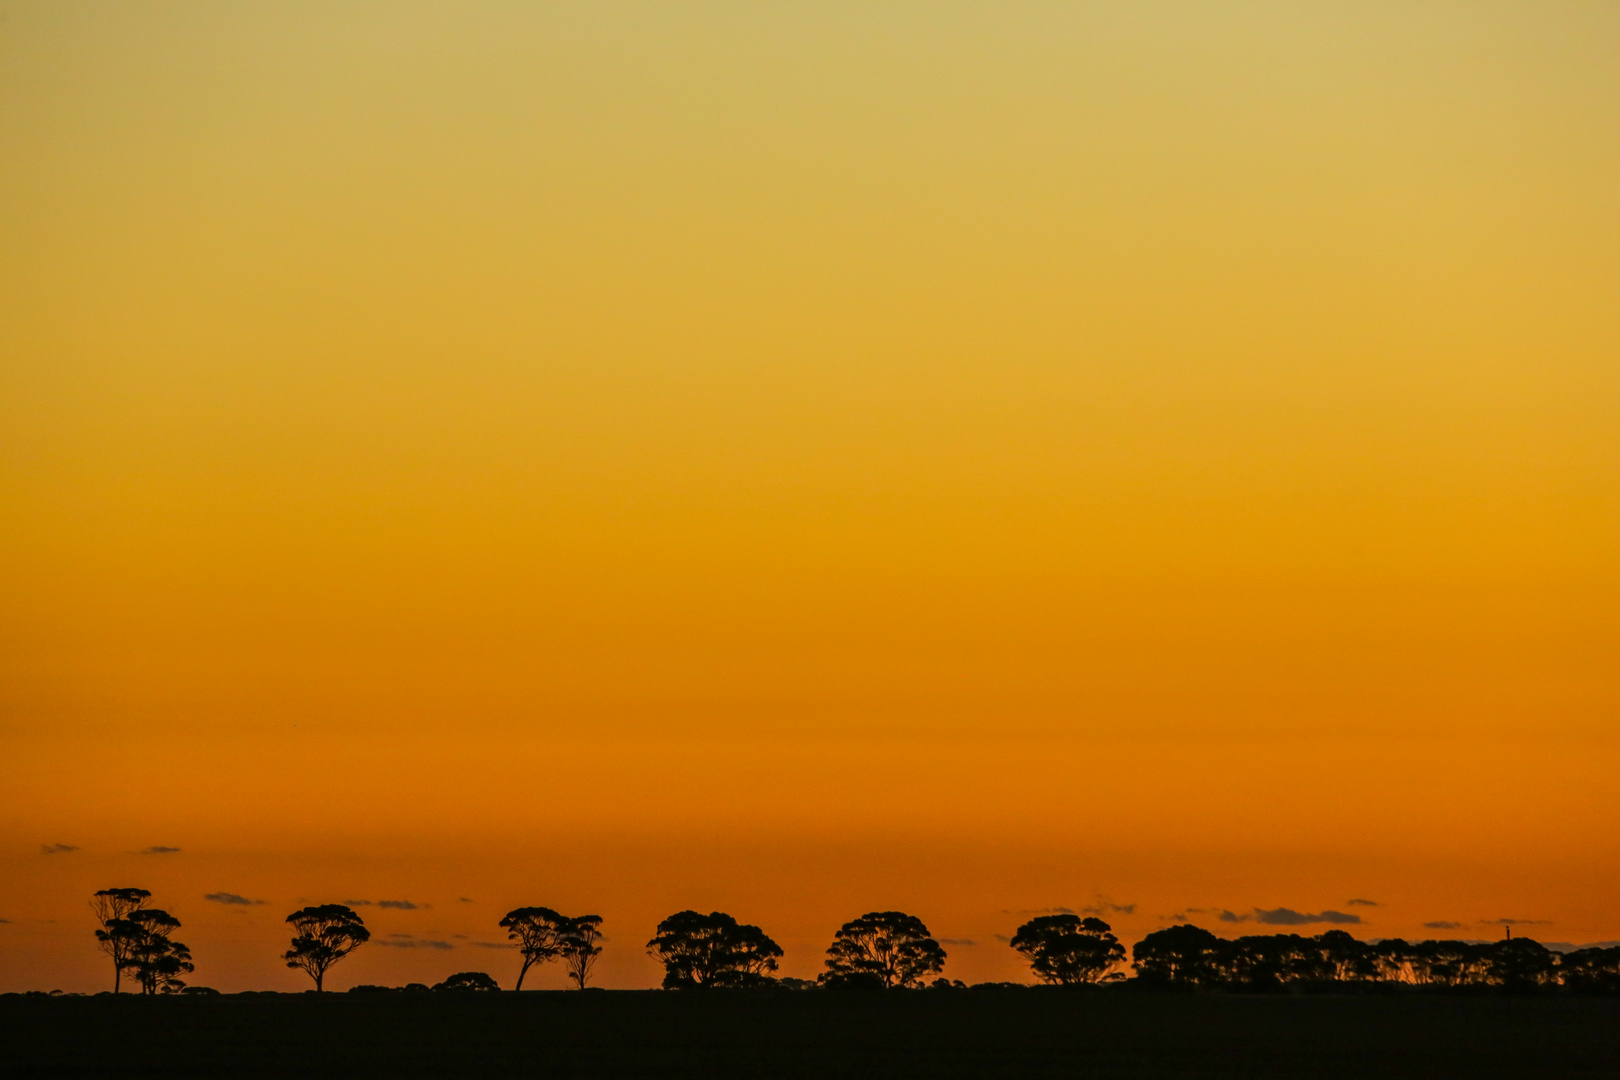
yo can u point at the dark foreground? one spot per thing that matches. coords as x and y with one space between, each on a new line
788 1034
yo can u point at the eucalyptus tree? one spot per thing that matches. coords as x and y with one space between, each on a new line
883 948
538 932
115 906
579 947
714 950
326 933
153 956
1068 950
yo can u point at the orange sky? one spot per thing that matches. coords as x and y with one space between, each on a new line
805 460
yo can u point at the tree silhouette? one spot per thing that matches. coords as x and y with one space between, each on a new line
465 981
1068 950
579 947
325 934
887 948
1593 970
1182 956
110 906
702 951
538 933
151 955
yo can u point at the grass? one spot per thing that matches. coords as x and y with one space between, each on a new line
817 1034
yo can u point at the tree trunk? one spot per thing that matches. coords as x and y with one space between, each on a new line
118 974
522 971
320 977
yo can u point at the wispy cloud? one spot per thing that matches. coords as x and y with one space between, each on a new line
230 898
400 905
1108 907
1289 917
358 903
466 900
159 849
956 941
406 941
1514 922
1442 924
56 849
492 944
1361 903
1040 911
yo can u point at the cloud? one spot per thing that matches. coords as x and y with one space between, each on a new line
406 941
492 944
1041 911
1361 903
358 903
466 899
956 941
1004 939
159 849
1289 917
1513 922
56 849
1442 924
401 905
230 898
1108 907
4 920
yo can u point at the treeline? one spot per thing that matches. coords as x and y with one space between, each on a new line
894 950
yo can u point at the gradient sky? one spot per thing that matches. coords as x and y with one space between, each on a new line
801 459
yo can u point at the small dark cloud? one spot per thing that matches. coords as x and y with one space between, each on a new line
230 898
4 920
159 849
1108 907
1442 924
956 941
1513 922
491 945
466 899
408 942
459 937
56 849
1289 917
1004 939
358 903
1361 903
400 905
1040 911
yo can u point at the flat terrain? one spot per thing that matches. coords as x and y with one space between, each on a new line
975 1033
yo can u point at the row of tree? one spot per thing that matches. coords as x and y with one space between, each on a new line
891 949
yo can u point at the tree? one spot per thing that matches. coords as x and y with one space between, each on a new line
1068 950
1594 970
888 948
580 950
703 951
326 934
110 906
465 981
1182 955
538 933
152 956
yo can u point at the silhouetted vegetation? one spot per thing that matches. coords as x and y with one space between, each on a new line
538 932
1068 950
704 951
114 906
579 947
326 934
1187 957
882 949
151 955
464 981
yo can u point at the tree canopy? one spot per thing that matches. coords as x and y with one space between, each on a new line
538 933
714 950
883 948
1068 950
113 906
326 933
579 947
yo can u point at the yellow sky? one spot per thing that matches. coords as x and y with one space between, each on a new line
804 459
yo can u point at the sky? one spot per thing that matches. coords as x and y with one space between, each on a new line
975 459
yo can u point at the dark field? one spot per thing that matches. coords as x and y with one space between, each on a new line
789 1034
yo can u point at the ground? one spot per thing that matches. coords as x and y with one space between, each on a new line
975 1033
